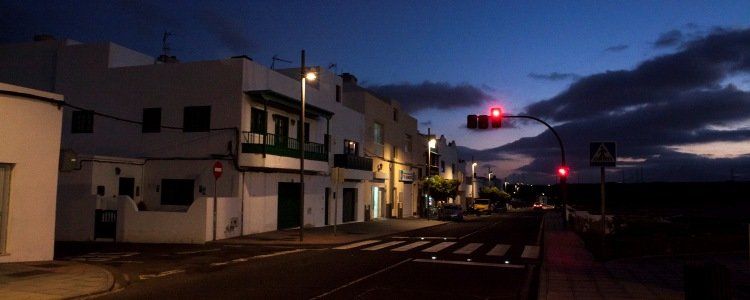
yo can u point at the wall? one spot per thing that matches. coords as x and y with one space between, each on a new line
194 226
30 130
261 200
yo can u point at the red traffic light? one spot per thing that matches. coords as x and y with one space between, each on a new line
496 112
563 171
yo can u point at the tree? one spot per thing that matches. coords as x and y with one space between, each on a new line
494 194
441 189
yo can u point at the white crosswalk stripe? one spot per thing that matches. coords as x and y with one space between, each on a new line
468 249
383 245
355 245
410 246
499 250
438 247
530 252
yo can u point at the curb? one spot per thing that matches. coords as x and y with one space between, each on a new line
109 289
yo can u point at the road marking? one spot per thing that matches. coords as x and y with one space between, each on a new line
467 263
424 237
468 249
198 251
438 247
410 246
244 259
161 274
355 245
360 279
383 245
499 250
477 231
530 252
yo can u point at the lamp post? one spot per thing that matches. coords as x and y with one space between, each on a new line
301 142
430 144
473 180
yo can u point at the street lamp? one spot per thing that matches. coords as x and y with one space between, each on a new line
431 143
473 180
305 76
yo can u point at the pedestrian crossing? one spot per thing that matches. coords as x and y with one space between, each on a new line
433 247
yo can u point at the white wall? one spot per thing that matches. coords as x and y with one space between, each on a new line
261 200
30 131
194 226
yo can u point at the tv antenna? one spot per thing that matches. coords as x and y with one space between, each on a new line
275 58
164 46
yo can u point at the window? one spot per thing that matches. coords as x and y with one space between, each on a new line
453 168
307 132
196 119
177 191
377 132
393 152
4 199
408 146
351 147
83 121
338 93
151 119
395 115
442 166
257 121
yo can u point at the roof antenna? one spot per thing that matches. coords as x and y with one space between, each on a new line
164 57
275 58
334 67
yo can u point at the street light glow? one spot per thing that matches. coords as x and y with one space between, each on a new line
432 143
310 76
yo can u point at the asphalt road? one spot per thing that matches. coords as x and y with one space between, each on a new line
489 257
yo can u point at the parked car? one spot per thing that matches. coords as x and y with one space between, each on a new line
450 211
499 207
482 206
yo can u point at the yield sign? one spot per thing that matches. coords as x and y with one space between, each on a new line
602 154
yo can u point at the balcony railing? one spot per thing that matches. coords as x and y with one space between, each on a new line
349 161
281 145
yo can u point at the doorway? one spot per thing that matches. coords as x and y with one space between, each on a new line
4 200
126 187
349 205
288 215
378 207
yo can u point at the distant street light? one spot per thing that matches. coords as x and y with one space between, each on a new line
431 143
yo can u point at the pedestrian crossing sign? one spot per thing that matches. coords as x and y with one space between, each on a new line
603 154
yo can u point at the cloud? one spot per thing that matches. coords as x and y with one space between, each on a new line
428 94
665 112
670 38
225 30
554 76
616 48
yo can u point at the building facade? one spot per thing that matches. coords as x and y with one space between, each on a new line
29 155
149 134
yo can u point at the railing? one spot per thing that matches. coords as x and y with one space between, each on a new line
349 161
281 145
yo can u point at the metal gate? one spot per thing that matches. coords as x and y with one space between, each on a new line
105 224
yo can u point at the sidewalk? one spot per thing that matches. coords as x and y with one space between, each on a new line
570 272
52 280
345 233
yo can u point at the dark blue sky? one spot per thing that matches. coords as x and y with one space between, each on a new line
510 53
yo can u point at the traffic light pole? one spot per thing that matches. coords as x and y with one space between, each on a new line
563 179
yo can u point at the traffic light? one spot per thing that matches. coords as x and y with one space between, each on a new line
496 115
471 121
563 171
483 122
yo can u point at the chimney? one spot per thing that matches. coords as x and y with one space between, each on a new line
43 37
349 78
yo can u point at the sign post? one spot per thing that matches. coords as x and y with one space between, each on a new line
603 154
218 169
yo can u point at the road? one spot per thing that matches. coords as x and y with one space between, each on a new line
488 257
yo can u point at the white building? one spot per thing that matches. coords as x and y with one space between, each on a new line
447 164
154 162
29 155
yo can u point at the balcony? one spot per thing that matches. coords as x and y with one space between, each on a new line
349 161
270 143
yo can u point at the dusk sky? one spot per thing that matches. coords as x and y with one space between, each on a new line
669 81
